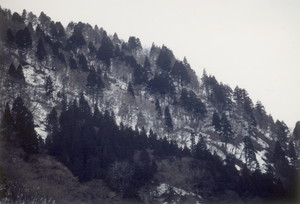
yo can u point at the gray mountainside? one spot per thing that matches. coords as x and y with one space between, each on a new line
146 89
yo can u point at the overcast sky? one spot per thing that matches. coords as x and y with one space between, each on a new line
254 44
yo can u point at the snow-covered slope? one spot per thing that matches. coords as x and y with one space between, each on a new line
244 119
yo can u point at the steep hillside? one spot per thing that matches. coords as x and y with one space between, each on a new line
78 84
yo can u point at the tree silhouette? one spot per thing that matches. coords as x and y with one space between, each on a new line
106 50
7 124
24 127
41 51
168 119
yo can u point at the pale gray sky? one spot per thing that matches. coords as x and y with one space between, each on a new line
254 44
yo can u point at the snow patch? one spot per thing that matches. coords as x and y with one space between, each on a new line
164 188
261 159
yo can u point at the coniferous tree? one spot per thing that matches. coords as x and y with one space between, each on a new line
180 72
95 81
140 74
41 51
49 87
12 71
147 64
17 18
116 39
39 32
200 150
279 154
7 124
82 62
20 73
134 43
130 89
162 84
57 30
168 119
76 40
296 132
226 131
23 38
165 59
249 151
193 144
92 48
281 131
24 127
84 108
106 50
291 151
16 73
52 128
10 38
158 108
73 63
216 121
190 102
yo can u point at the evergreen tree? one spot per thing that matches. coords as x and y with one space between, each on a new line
19 73
73 63
226 131
245 103
216 121
165 59
191 103
162 84
16 73
84 107
116 39
23 38
158 108
94 80
49 87
24 127
134 43
52 128
296 132
279 154
7 124
106 50
12 71
130 89
147 64
41 51
281 131
200 151
168 119
250 156
10 38
193 144
57 30
140 74
92 48
291 151
76 40
180 72
17 18
82 62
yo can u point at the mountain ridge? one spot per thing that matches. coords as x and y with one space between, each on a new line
142 90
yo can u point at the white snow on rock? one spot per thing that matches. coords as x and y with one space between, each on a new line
164 189
261 159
